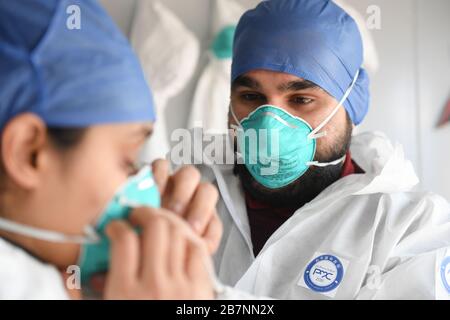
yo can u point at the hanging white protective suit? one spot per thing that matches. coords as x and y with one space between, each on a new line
210 106
367 236
169 54
24 277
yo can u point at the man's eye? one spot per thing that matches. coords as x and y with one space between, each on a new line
251 96
302 100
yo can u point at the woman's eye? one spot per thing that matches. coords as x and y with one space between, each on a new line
130 168
302 100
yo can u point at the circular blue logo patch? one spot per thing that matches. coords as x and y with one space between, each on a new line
445 273
324 273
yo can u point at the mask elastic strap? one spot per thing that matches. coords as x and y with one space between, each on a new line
314 134
326 164
237 125
90 235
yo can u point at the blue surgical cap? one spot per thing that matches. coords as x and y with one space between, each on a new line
312 39
68 77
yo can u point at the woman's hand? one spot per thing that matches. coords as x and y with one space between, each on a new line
195 201
166 260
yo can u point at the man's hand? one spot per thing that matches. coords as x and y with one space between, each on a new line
195 201
165 261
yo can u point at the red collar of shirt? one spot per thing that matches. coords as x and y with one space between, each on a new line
350 166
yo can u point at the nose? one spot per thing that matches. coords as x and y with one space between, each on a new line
276 101
281 103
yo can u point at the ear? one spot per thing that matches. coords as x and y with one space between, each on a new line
23 144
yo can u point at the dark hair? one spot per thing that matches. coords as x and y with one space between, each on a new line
65 138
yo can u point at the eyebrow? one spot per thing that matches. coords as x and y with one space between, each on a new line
296 85
245 81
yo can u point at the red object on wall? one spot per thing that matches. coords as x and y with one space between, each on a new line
445 117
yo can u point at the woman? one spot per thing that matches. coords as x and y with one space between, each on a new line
74 111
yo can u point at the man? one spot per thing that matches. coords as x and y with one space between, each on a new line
324 215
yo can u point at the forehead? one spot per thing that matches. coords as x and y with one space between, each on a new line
271 76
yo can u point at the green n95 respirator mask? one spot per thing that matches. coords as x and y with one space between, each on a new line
139 190
277 147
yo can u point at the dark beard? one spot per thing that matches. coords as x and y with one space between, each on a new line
308 186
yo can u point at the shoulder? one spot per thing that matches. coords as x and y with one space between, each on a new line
410 223
415 205
397 210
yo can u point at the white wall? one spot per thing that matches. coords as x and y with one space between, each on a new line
413 84
408 92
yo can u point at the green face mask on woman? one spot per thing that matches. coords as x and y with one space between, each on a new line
139 190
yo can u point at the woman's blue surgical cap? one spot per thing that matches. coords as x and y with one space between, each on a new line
69 77
312 39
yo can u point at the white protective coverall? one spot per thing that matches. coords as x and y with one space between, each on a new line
367 236
24 277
